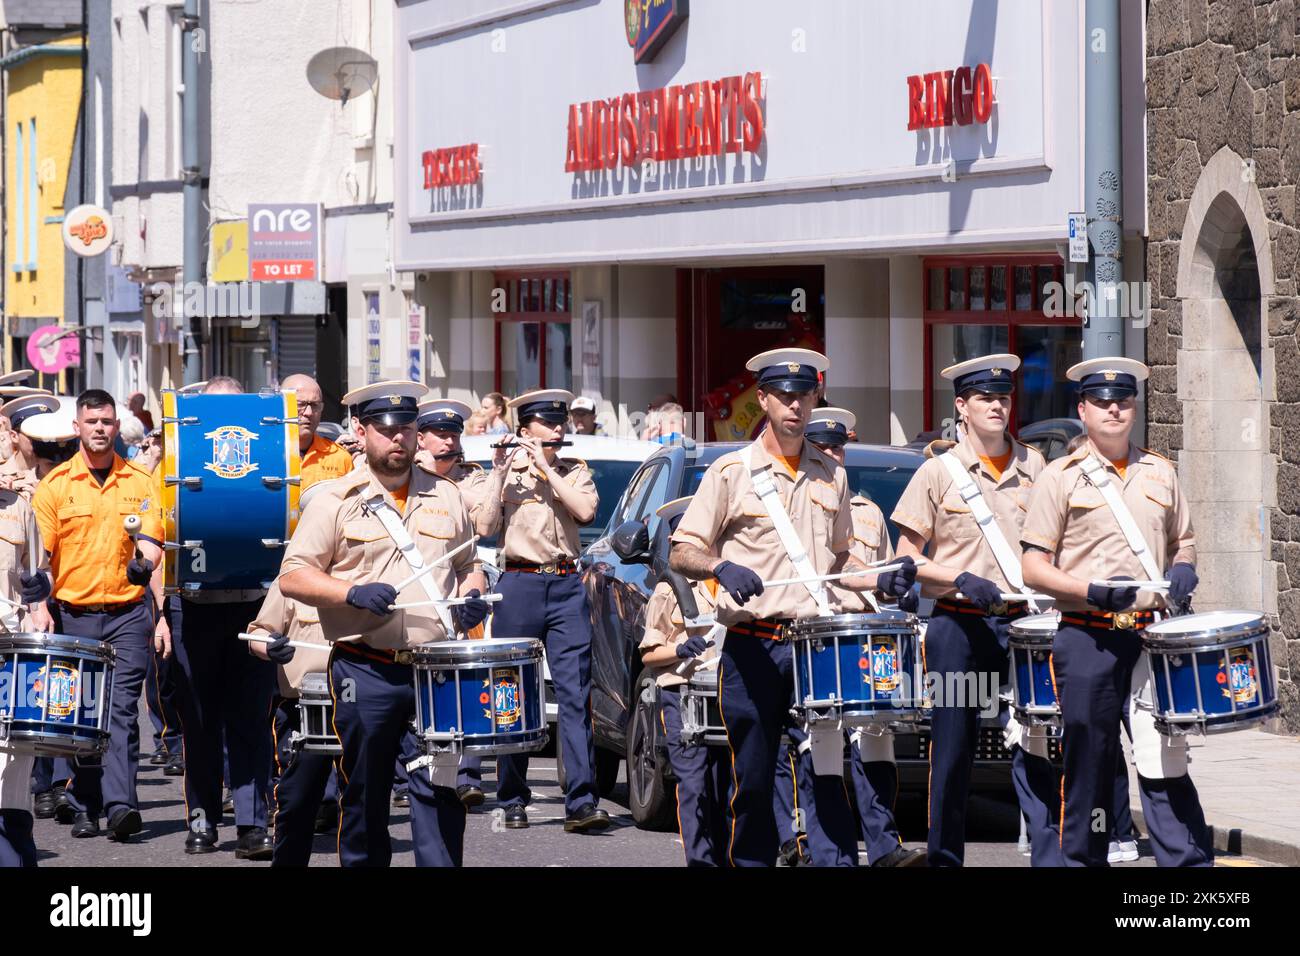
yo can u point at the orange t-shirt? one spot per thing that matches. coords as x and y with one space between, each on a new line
1122 467
791 463
997 464
399 495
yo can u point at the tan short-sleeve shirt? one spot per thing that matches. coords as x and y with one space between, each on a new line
298 622
932 506
538 526
870 543
664 625
1069 519
727 517
20 546
340 535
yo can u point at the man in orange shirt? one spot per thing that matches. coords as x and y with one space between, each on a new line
101 592
321 458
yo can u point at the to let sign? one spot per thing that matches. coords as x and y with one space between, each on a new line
284 242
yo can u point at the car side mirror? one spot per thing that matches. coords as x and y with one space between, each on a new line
631 542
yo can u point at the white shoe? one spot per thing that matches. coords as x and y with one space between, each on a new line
1125 851
1023 847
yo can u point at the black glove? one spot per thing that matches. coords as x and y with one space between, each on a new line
738 581
693 647
897 583
138 571
278 649
910 602
36 587
981 592
470 614
374 598
1182 582
1112 599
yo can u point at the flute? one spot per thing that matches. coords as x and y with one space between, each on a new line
545 444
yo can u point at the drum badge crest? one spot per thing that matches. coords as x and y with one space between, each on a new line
507 698
884 665
231 451
1242 686
58 687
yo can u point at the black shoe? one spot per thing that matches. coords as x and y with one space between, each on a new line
471 795
790 854
159 757
175 766
901 856
586 817
228 804
85 826
64 811
43 805
327 818
256 844
201 840
517 818
124 822
401 798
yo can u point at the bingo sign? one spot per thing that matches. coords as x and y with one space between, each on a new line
284 242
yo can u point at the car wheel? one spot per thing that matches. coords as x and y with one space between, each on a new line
650 798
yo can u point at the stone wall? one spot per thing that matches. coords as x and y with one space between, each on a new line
1225 73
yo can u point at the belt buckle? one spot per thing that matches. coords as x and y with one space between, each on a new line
1123 621
547 569
998 610
403 657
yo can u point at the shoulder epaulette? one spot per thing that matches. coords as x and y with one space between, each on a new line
938 447
1157 454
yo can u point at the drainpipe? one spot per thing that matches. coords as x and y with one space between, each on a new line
1103 335
193 266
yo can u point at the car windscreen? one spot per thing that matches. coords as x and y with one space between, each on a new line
884 486
611 478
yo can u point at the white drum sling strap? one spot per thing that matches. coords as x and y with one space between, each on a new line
765 488
392 522
1095 472
1008 561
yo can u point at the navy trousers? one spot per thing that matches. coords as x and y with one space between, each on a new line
374 703
104 784
50 772
701 787
554 609
159 690
1094 670
305 782
968 653
16 845
875 785
222 692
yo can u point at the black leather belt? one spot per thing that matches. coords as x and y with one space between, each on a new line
113 609
379 655
1007 610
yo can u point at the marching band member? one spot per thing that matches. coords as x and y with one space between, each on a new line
100 592
875 771
441 422
985 472
344 558
1077 532
536 500
321 458
222 693
700 771
776 509
18 471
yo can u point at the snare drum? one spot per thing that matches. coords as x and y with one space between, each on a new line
1033 688
55 693
230 496
1212 672
701 715
315 732
858 668
482 697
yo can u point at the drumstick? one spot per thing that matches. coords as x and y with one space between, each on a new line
266 639
1140 585
131 523
446 602
1015 596
877 568
433 564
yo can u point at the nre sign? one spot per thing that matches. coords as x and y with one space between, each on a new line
453 166
938 99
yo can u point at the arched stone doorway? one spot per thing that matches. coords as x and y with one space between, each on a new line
1225 276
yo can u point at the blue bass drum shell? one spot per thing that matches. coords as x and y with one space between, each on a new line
480 697
234 499
55 692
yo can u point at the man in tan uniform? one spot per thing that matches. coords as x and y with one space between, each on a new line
729 533
18 471
966 640
344 559
1073 540
536 501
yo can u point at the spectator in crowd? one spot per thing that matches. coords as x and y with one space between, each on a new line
135 404
151 451
582 413
671 421
651 431
476 424
132 434
494 407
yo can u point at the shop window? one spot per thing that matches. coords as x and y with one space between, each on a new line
971 311
533 336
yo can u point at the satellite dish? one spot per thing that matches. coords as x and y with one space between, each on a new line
342 72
